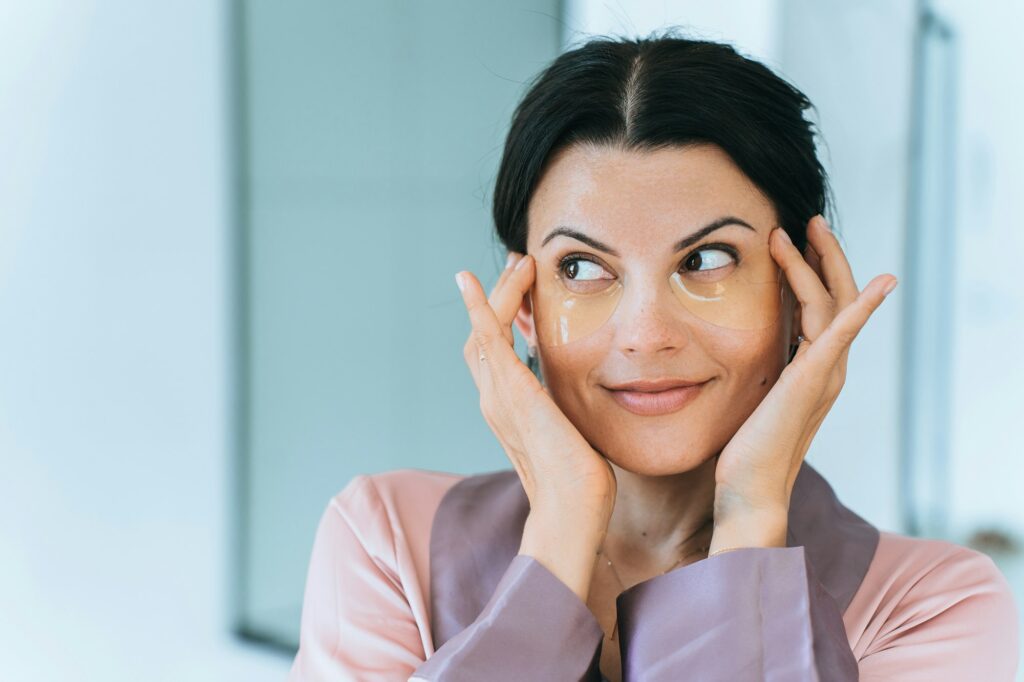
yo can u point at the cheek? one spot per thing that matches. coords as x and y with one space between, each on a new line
565 369
569 374
752 359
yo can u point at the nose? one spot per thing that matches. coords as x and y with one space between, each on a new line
649 320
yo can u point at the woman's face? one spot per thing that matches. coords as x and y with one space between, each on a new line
640 204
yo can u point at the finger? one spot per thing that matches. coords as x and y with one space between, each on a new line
472 292
481 315
510 262
493 352
838 275
814 260
835 341
817 307
507 302
496 292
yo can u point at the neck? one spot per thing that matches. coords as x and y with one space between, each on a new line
658 518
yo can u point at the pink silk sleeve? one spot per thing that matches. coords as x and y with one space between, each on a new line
356 621
956 620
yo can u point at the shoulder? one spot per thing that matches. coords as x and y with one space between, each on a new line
387 487
392 492
920 590
402 493
402 501
910 565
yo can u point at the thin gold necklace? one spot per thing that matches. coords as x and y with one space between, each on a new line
622 586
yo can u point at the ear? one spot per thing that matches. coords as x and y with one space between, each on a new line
524 319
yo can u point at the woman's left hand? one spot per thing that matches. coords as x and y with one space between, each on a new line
756 470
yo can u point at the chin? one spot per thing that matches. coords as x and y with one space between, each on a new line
655 461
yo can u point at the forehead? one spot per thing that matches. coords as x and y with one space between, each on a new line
646 196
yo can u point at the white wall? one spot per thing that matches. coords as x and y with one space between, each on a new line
114 386
752 26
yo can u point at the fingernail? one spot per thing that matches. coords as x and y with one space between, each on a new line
521 261
511 258
458 280
892 285
785 235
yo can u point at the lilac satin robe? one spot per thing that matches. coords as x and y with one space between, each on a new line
415 576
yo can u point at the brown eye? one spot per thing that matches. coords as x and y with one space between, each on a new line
572 268
718 258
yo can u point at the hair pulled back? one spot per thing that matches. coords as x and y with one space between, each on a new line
650 93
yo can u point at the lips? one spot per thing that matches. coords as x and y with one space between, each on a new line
652 385
652 403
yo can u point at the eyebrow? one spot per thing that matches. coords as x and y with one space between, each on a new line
680 245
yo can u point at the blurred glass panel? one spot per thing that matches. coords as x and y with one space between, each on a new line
371 138
928 311
966 303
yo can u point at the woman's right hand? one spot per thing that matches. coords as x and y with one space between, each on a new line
561 473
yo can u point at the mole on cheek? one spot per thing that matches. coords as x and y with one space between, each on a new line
764 381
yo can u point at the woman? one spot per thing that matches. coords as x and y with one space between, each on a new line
689 314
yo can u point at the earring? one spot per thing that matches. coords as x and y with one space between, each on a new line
531 351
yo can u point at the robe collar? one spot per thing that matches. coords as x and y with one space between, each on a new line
478 527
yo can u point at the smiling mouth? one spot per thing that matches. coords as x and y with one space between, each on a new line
654 403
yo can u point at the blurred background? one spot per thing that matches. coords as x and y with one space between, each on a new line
228 234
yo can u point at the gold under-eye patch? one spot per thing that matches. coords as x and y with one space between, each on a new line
742 292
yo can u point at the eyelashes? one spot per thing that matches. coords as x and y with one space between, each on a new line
711 247
580 256
572 258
